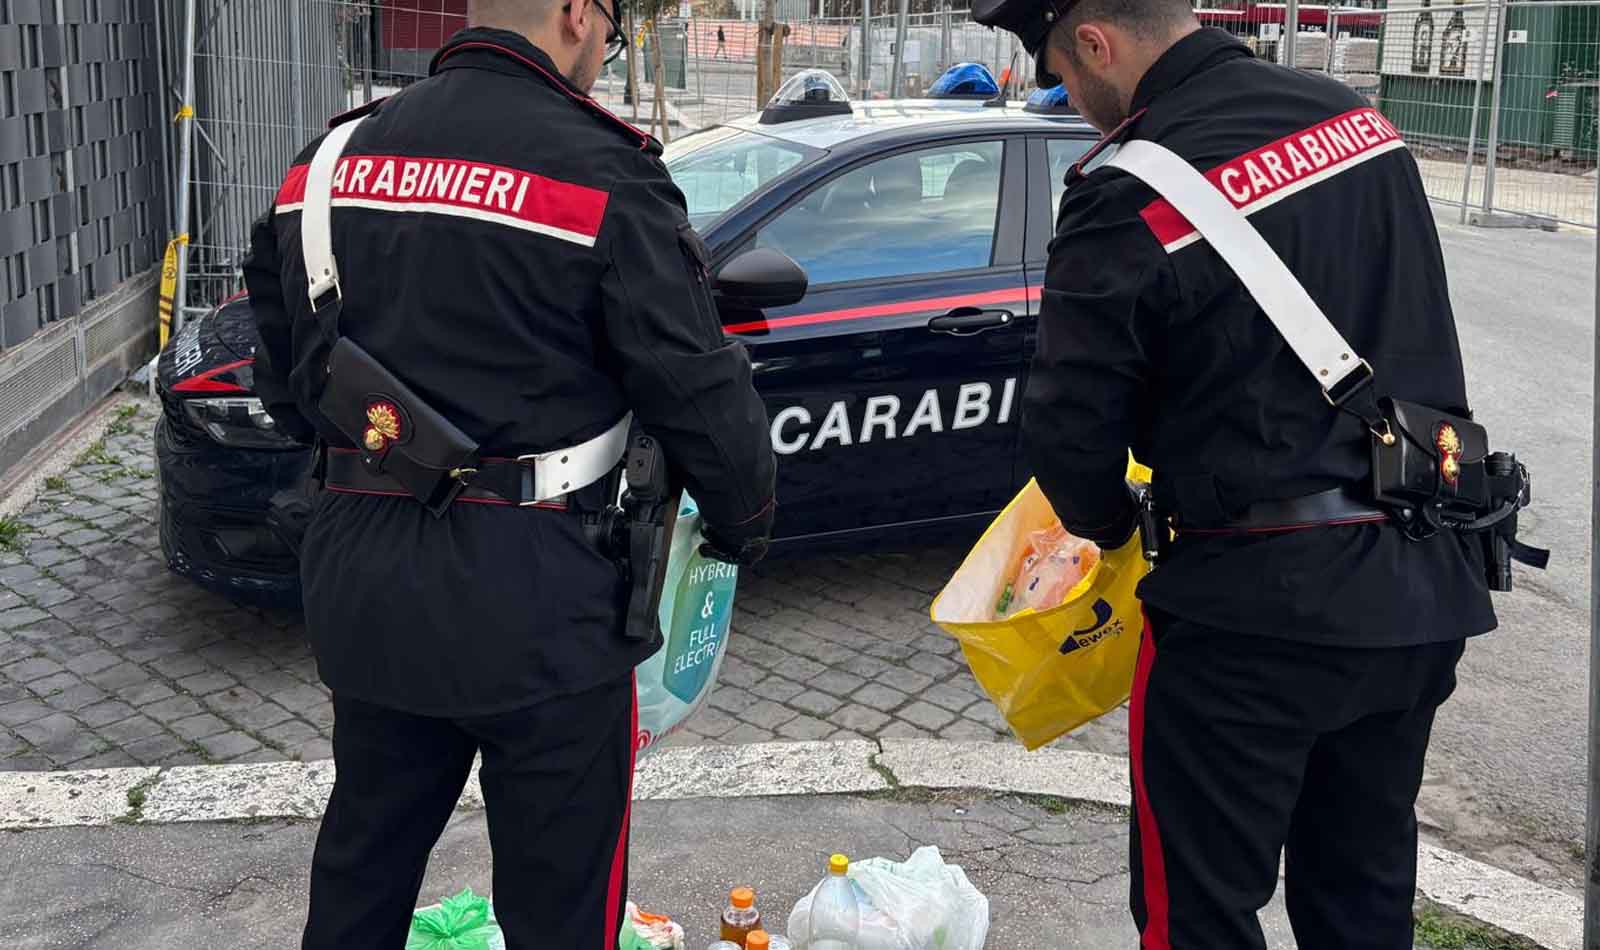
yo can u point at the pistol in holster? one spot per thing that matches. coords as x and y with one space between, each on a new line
637 531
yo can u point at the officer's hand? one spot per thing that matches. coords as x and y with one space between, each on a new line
743 545
744 553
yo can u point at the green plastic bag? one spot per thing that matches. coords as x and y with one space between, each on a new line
642 931
462 922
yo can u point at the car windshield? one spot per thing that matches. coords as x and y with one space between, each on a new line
720 167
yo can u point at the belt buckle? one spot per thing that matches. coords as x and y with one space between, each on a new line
530 477
1346 389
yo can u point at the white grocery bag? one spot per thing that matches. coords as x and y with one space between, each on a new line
921 903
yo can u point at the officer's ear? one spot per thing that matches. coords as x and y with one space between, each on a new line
1095 45
573 17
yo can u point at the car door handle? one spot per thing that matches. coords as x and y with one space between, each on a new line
969 321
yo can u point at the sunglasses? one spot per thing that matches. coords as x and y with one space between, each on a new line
615 41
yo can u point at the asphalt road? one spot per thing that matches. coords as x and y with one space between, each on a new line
1508 757
1054 876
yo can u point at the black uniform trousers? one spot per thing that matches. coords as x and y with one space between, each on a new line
557 783
1245 747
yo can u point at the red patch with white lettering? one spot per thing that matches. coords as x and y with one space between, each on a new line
476 190
1267 175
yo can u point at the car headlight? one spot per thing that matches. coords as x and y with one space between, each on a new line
237 422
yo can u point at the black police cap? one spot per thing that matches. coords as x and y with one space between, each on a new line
1031 20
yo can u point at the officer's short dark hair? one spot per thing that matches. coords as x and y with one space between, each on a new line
1146 19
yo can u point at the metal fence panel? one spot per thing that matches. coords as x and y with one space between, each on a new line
1496 98
268 76
269 72
1544 160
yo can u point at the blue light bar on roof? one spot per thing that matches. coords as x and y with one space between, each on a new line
965 81
1051 101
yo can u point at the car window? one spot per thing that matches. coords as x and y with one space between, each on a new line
720 167
911 213
1063 153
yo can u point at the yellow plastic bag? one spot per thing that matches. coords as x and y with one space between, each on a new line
1048 671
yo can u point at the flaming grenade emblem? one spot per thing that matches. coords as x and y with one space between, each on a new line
1448 441
383 426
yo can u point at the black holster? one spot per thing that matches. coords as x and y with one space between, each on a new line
636 533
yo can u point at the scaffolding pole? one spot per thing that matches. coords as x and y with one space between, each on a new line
1591 852
1291 30
1477 100
185 122
897 74
1498 41
866 49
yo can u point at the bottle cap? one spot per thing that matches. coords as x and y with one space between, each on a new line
758 940
743 898
838 864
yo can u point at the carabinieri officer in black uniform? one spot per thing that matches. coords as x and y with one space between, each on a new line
518 260
1298 642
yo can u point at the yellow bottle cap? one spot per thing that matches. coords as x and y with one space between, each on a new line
758 940
838 864
743 898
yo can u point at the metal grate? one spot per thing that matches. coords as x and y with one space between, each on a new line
108 335
44 378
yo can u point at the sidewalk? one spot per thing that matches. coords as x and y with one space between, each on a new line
1054 873
200 857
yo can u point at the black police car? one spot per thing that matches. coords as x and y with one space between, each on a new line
893 386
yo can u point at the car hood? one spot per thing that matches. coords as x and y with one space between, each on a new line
213 355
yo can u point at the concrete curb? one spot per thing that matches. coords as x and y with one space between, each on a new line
36 800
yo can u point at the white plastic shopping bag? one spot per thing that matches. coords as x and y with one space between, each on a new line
921 903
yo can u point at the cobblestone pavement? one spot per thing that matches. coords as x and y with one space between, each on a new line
106 659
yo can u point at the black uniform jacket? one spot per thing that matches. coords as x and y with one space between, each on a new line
1148 341
520 258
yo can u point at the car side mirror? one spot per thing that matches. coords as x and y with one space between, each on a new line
760 278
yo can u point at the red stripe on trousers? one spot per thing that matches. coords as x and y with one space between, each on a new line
1156 935
614 889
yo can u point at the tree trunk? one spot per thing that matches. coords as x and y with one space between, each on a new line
764 87
779 32
633 72
762 74
660 110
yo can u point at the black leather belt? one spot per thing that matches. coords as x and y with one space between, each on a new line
347 475
1337 506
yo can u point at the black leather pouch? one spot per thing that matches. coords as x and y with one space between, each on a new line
398 433
1434 459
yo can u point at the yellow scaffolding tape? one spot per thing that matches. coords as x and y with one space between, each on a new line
169 287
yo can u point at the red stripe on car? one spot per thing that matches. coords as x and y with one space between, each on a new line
1009 295
207 381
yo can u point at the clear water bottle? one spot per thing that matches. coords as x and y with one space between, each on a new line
836 912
